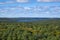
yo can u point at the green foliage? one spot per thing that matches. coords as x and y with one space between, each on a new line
40 30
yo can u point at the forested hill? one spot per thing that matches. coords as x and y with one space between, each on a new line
26 19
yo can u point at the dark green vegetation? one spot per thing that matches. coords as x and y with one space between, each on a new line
38 30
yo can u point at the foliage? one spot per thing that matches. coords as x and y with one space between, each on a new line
40 30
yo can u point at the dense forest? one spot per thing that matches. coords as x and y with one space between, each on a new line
36 30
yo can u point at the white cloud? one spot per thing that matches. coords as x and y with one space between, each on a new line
2 3
47 11
3 11
27 8
22 1
48 0
12 8
43 0
9 2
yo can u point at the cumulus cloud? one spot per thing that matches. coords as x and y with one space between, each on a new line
43 0
21 1
27 8
7 2
2 3
3 11
48 0
35 11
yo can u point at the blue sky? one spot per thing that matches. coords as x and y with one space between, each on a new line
30 8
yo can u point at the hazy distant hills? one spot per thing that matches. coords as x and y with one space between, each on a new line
26 19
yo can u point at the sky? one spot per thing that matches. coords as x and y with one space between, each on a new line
30 8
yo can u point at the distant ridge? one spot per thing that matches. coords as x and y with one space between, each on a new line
25 19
